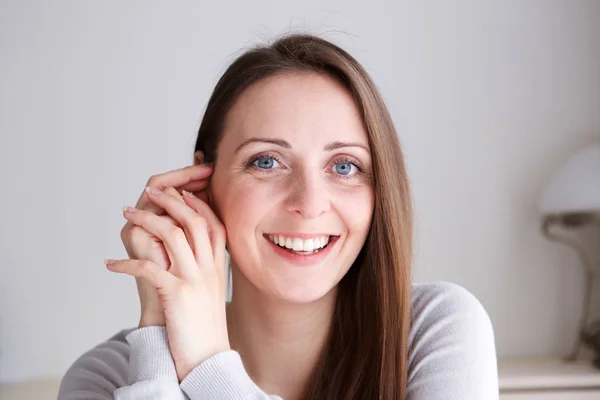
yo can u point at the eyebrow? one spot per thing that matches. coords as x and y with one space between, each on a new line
286 145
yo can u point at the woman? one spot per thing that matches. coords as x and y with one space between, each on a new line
299 174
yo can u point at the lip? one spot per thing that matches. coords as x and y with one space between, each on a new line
299 259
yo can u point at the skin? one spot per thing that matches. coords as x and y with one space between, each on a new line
280 313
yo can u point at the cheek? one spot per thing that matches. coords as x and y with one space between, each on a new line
355 207
245 202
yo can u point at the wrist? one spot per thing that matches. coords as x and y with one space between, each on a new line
151 320
184 367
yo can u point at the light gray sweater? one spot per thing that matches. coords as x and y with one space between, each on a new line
452 356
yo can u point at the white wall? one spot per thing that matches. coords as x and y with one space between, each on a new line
488 97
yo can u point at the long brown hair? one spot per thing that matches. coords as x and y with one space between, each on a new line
366 353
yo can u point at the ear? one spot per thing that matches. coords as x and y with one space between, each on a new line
198 157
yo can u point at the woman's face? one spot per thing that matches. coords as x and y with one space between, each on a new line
294 166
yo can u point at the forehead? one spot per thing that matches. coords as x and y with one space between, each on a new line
295 105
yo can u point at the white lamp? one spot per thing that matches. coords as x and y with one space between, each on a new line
576 187
572 200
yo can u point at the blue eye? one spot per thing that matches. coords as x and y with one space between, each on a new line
344 168
265 162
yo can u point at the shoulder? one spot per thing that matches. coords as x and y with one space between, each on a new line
435 301
100 370
444 312
451 343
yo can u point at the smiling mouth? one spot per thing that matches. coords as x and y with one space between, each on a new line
302 247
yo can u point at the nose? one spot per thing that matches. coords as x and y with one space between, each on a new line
308 195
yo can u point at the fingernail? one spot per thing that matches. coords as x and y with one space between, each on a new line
129 209
108 261
152 190
185 192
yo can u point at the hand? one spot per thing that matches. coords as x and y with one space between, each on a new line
192 290
142 245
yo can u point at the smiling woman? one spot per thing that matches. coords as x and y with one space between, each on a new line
308 192
284 151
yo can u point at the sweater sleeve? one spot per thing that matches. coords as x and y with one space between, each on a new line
137 364
153 375
452 354
134 364
222 376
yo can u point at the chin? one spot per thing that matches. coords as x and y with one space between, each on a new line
302 294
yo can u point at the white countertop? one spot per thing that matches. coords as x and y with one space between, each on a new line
41 389
547 373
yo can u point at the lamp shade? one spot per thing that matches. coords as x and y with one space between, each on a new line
576 186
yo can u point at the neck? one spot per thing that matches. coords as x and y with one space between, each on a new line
279 341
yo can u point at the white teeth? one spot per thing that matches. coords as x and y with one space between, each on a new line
297 244
316 243
308 245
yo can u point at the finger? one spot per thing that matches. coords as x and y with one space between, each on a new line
143 243
202 195
195 226
172 191
176 178
195 186
175 193
217 234
139 236
173 237
156 276
179 191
